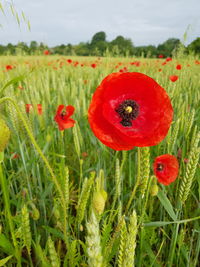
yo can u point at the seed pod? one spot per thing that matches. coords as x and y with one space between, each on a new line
4 135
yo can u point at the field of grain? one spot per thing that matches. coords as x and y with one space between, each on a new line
67 199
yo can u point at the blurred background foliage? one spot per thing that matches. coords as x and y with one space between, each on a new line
99 46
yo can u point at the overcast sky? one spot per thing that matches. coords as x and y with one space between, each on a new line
72 21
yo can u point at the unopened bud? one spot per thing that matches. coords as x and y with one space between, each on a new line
99 201
35 214
154 190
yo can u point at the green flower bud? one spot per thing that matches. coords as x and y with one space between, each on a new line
154 190
35 214
99 200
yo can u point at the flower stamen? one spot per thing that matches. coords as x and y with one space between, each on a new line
128 110
160 167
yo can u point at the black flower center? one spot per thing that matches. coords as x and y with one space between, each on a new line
128 110
62 114
160 167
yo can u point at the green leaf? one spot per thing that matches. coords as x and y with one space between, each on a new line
3 261
1 157
54 232
6 245
163 223
167 205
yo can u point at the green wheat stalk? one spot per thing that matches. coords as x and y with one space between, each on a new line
145 169
55 262
26 230
173 137
187 180
130 243
94 249
189 122
84 196
123 237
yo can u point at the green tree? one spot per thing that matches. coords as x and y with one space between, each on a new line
82 49
195 46
168 47
124 45
33 47
98 37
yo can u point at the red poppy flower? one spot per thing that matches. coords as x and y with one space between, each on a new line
178 67
130 109
15 156
168 59
173 78
161 56
63 115
30 106
39 108
9 67
46 52
166 169
93 65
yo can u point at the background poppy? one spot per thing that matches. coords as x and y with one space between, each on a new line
173 78
63 115
166 169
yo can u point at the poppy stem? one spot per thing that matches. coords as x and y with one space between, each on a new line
54 179
137 181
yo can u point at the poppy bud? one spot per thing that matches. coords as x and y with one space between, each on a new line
154 190
48 138
35 214
99 200
4 135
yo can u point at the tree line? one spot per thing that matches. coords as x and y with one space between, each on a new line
99 46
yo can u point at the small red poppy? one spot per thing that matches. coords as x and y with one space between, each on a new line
39 108
168 59
93 65
130 109
166 169
9 67
30 106
173 78
46 52
15 156
63 115
161 56
178 67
